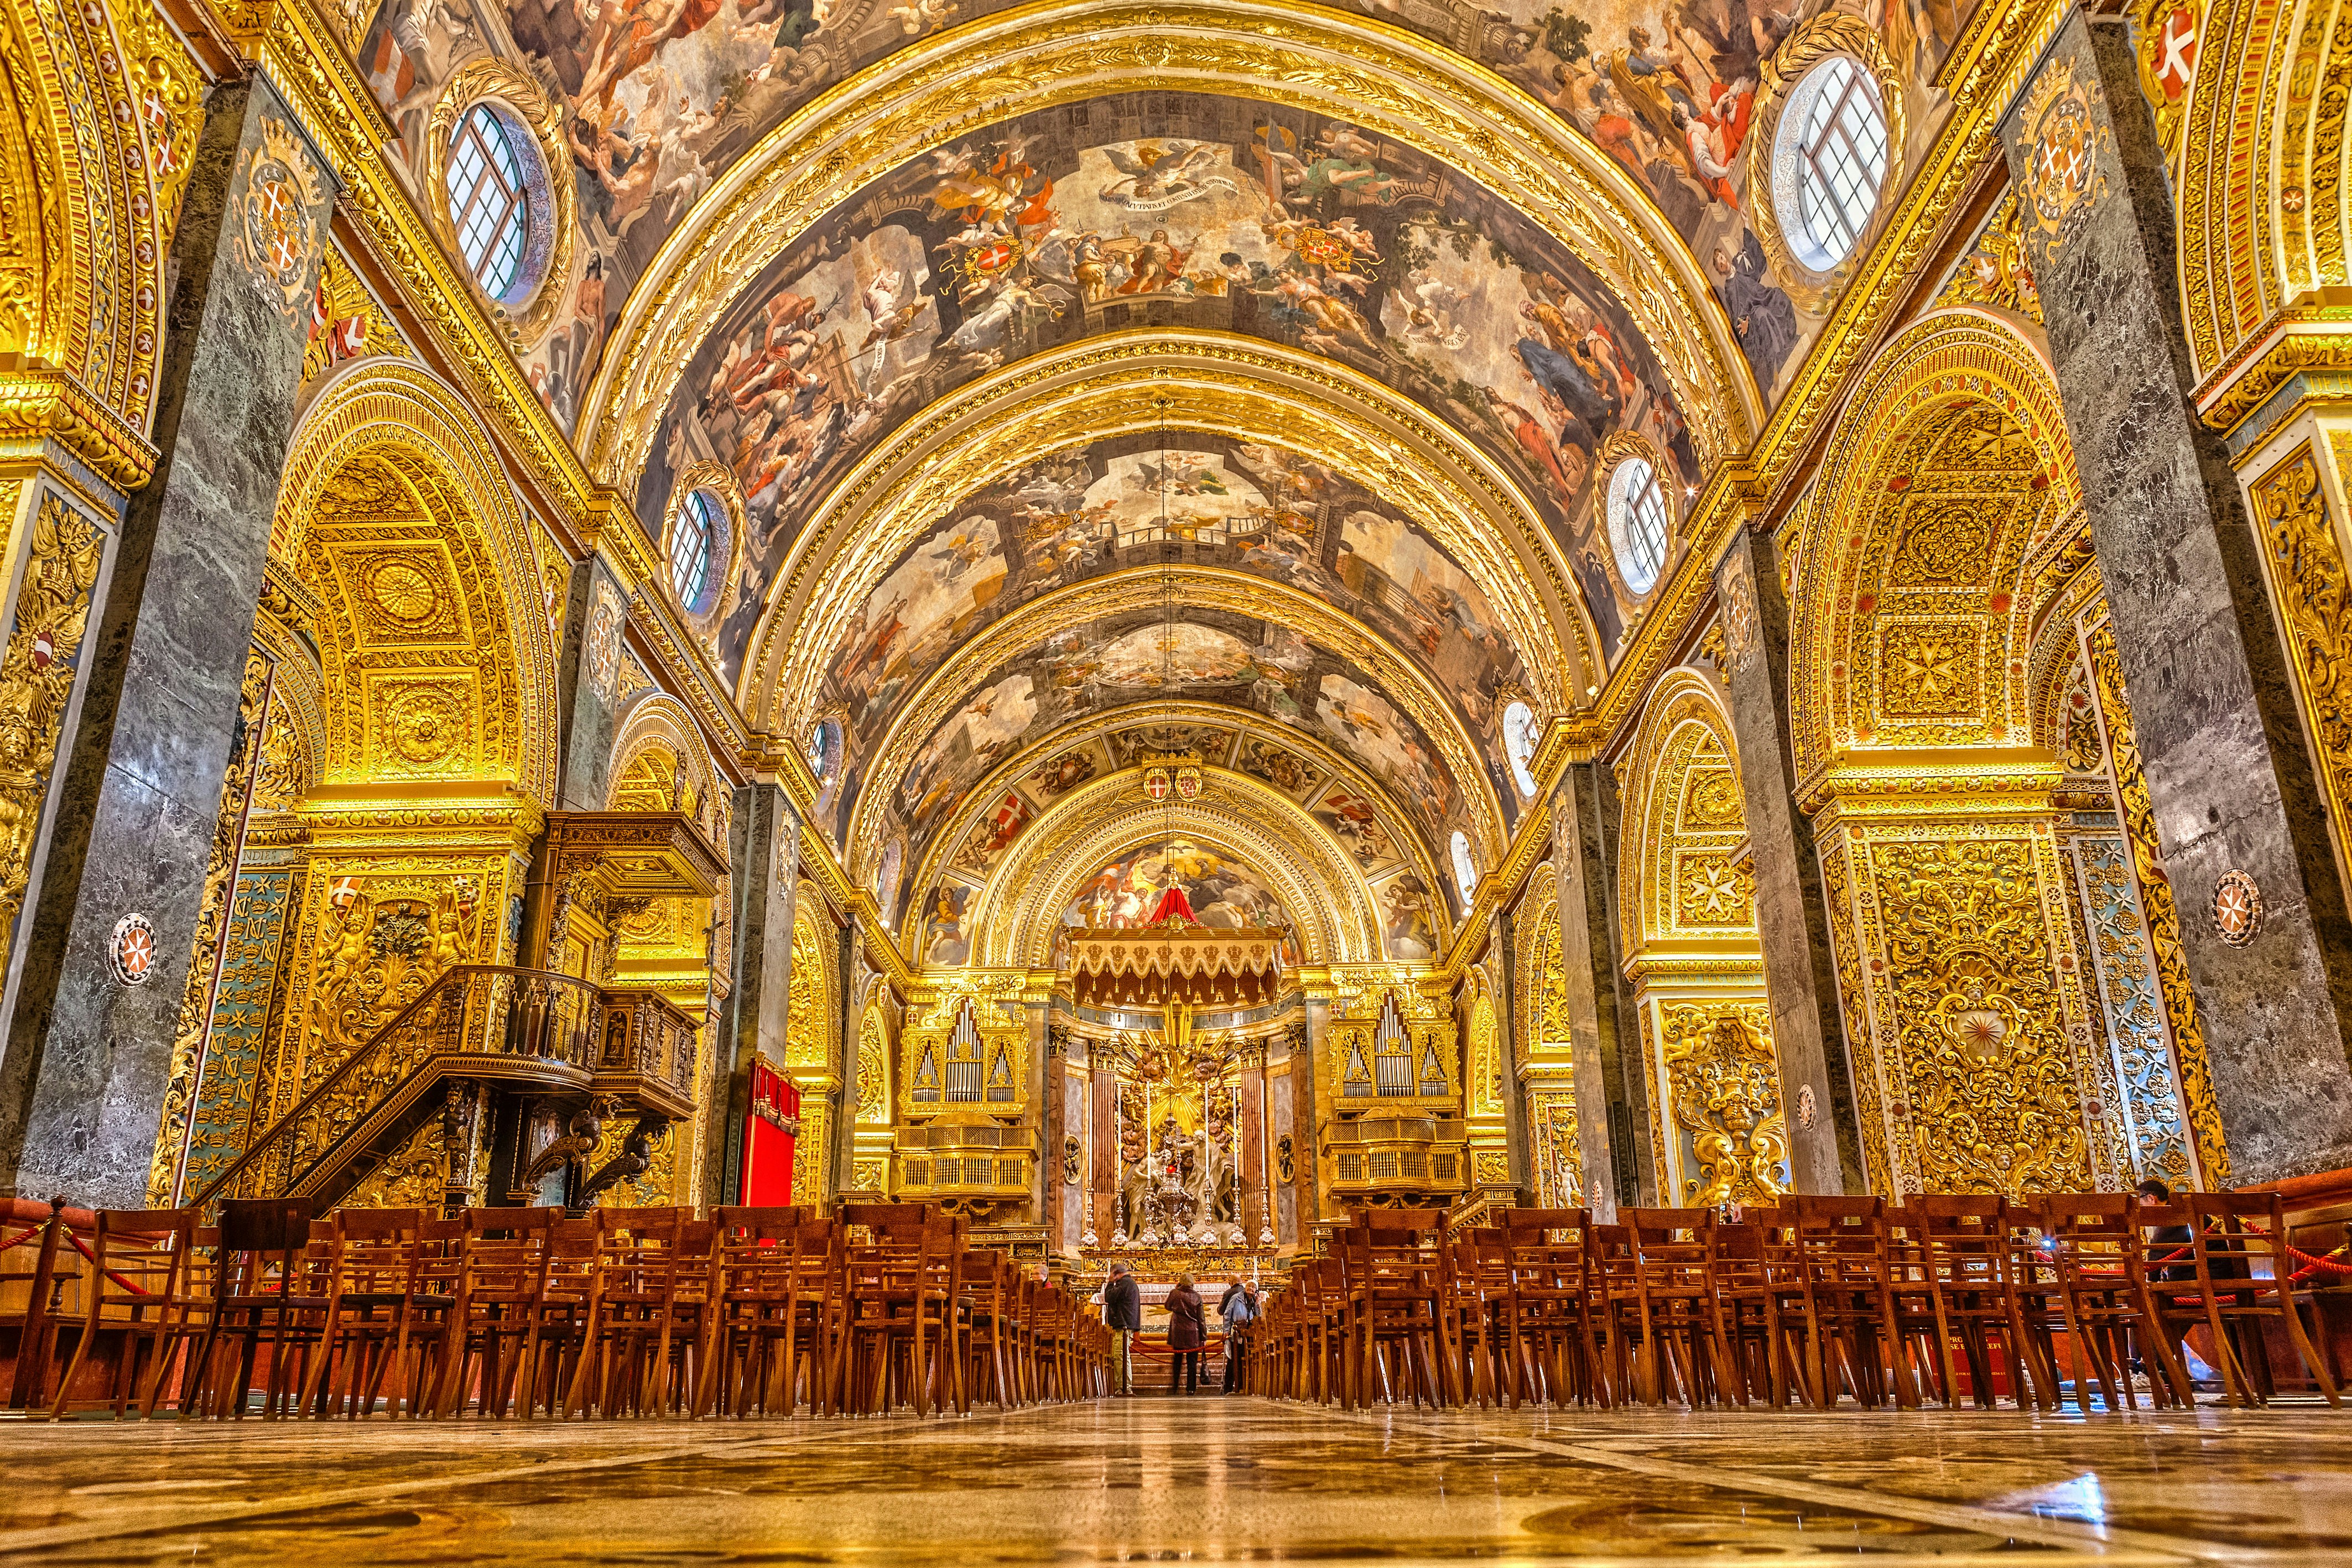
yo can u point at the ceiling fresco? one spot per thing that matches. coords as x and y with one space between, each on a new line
1202 500
1163 209
1357 816
661 97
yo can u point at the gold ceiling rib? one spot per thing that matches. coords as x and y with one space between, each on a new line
1417 853
1108 385
1316 881
947 687
1281 52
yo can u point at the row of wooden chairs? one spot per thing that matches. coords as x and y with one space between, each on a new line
525 1312
1950 1299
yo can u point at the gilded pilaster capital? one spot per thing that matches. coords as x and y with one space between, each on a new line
1977 784
40 402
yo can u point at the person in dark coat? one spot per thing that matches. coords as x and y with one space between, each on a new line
1238 1310
1188 1331
1123 1315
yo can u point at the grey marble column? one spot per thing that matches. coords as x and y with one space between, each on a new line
89 1056
1604 1039
587 685
1791 920
2229 777
1515 1143
764 858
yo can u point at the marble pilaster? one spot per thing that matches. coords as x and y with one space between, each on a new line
587 685
1791 920
2230 779
763 862
1610 1101
89 1056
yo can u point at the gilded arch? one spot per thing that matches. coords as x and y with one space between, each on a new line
100 112
428 542
1718 1129
1145 380
1147 589
1314 878
1915 628
965 78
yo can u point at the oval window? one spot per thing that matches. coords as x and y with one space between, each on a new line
691 539
498 206
1520 744
1637 523
1465 870
1829 161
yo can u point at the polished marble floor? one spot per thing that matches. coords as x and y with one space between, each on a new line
1201 1480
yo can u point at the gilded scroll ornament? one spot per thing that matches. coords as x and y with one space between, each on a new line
1987 1067
36 680
2311 588
1995 272
1727 1101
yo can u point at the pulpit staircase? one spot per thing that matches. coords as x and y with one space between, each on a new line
493 1026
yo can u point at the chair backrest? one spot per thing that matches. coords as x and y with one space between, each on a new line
2238 1234
139 1255
258 1235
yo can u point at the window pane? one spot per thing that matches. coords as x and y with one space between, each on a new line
489 206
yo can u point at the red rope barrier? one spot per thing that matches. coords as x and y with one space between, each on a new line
2316 1264
134 1290
22 1236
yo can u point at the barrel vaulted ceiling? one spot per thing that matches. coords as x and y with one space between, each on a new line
1011 335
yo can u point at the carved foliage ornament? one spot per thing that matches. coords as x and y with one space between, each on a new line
1726 1100
36 678
2313 591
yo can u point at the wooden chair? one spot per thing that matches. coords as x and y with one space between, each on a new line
641 1327
1745 1310
268 1292
2244 1281
1961 1290
1846 1275
1555 1347
137 1297
777 1304
499 1289
2088 1276
380 1326
1390 1280
901 1329
1475 1290
1672 1251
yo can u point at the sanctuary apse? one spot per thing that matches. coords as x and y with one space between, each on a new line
1699 601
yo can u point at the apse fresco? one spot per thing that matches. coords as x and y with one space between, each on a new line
1164 208
1223 893
1248 662
661 100
1252 507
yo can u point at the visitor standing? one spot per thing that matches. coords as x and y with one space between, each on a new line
1239 1311
1188 1331
1123 1315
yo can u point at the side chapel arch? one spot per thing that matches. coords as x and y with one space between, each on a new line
1688 912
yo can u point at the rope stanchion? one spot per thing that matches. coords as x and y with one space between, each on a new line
136 1290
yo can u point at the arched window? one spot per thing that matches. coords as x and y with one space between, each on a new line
690 539
819 750
1637 523
1520 744
492 166
1831 160
1465 870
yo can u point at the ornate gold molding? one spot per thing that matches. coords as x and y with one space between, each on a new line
1295 55
1142 381
1205 588
1419 855
49 404
1310 871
